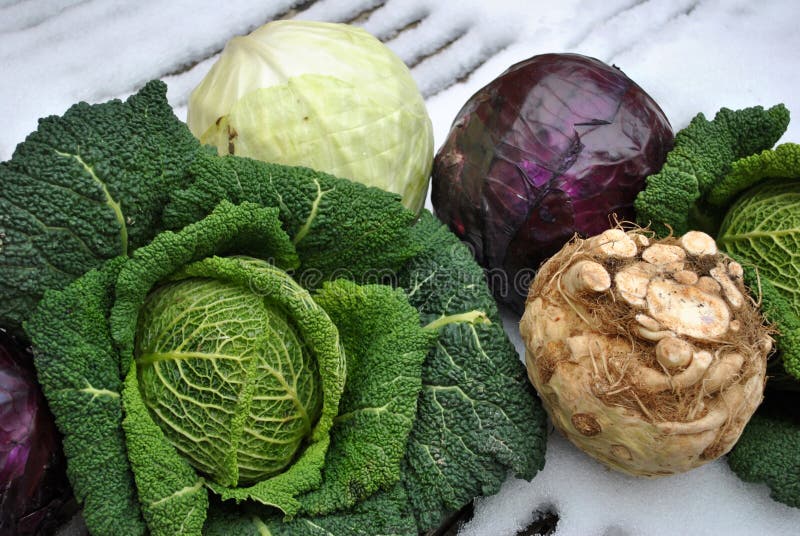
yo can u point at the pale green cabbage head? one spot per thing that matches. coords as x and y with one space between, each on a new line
322 95
762 228
227 378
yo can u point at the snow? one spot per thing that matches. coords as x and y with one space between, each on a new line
690 55
590 500
593 500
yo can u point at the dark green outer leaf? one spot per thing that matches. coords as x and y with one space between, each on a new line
385 347
478 416
331 221
769 449
84 188
78 369
674 199
781 162
383 514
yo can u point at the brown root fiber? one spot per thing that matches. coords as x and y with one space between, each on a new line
592 349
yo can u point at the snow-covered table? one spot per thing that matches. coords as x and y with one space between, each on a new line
690 55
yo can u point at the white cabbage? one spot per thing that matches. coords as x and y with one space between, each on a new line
322 95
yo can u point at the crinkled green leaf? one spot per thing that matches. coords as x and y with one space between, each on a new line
231 384
172 495
769 449
781 162
78 369
340 228
245 228
385 513
674 199
83 188
784 366
478 416
385 347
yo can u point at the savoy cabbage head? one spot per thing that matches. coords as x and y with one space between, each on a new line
287 352
229 376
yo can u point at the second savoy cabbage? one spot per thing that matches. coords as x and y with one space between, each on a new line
389 398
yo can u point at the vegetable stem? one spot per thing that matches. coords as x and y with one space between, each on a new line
470 317
115 205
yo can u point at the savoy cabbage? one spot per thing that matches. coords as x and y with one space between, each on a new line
254 304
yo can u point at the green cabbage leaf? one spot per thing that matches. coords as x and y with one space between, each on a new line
84 188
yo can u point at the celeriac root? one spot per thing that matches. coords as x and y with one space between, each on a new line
648 354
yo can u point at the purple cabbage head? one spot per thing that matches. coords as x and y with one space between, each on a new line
35 497
556 145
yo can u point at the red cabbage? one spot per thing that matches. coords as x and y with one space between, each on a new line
35 497
556 145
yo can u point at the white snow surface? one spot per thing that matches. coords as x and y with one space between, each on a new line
690 55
